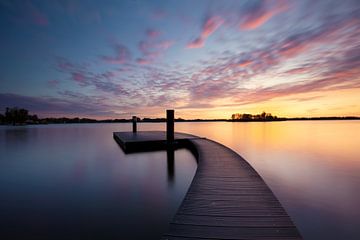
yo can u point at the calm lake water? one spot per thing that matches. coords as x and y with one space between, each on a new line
74 182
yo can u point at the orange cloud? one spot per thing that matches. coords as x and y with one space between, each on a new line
245 63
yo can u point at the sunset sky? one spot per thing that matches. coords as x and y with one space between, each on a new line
205 59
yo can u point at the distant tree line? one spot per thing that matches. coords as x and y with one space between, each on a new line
21 116
80 120
264 116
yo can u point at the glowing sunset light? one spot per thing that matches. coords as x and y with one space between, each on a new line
206 59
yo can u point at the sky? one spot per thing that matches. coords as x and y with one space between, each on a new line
205 59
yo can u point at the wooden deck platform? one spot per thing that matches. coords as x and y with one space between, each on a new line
227 198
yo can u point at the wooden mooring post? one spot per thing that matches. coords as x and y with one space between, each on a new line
134 127
170 126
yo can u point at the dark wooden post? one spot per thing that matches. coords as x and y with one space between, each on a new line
170 126
134 119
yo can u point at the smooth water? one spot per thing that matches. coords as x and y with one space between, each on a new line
74 182
313 167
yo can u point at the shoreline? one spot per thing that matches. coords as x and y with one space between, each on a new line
194 120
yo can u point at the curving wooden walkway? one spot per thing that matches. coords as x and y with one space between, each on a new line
227 198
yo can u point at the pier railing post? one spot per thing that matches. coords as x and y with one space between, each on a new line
134 127
170 126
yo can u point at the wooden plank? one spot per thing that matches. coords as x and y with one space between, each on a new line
220 232
206 203
227 198
247 221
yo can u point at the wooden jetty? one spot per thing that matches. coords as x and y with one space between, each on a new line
227 198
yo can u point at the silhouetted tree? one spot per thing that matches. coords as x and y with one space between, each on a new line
268 116
246 116
16 115
263 115
34 118
7 115
249 117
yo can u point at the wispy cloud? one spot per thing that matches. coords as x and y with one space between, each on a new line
142 61
152 33
84 76
80 78
122 55
304 99
210 25
259 12
324 84
152 47
229 74
262 50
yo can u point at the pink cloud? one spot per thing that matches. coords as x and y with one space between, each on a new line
224 77
151 33
197 43
122 55
299 70
64 64
260 15
78 77
293 48
146 47
333 82
152 48
209 27
298 44
108 74
142 61
341 74
103 81
253 22
245 63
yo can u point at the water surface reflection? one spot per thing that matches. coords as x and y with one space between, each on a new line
74 182
170 154
312 166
